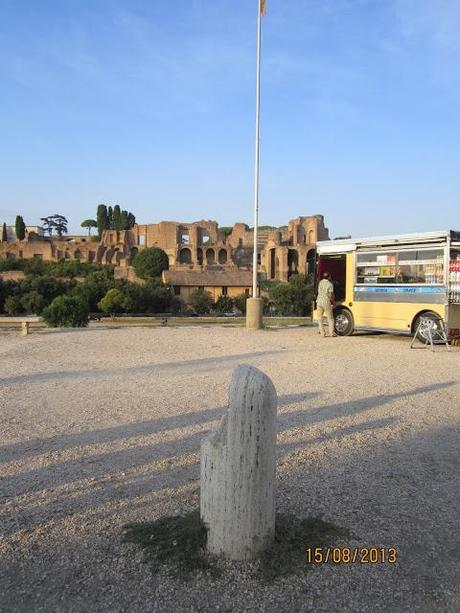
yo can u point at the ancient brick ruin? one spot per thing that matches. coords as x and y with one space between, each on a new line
199 247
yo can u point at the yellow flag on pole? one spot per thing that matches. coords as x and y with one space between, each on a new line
262 7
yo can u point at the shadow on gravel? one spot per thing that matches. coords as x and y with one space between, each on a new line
342 409
286 420
97 373
180 543
38 446
77 485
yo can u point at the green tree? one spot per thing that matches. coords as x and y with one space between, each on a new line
33 302
67 311
135 298
13 305
150 263
201 301
294 297
4 233
110 218
46 286
20 228
158 296
224 304
60 223
124 220
3 294
117 221
102 219
48 224
55 222
131 220
12 264
112 302
36 267
89 223
95 287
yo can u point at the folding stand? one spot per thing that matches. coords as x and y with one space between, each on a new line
433 334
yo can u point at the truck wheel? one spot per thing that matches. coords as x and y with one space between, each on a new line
343 322
435 324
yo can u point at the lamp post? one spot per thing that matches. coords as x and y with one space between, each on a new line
254 305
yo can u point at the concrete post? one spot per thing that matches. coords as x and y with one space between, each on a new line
254 313
238 461
24 328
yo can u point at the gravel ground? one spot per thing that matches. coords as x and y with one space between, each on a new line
102 427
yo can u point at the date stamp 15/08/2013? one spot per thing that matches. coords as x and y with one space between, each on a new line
351 555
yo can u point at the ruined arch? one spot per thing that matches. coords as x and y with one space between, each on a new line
210 256
273 263
293 262
222 256
185 256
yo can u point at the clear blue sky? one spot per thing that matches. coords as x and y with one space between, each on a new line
150 104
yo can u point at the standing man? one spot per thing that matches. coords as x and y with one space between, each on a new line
324 302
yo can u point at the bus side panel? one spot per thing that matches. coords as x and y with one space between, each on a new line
399 316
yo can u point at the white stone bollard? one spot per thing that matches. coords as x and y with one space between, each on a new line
24 328
238 463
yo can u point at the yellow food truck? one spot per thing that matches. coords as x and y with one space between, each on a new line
387 283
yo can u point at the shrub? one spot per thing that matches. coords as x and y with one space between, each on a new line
49 287
75 268
67 311
240 303
150 263
13 305
293 298
33 302
224 304
201 301
158 296
225 231
63 268
135 298
35 267
112 302
7 288
12 264
95 287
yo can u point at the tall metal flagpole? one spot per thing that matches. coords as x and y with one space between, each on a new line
257 150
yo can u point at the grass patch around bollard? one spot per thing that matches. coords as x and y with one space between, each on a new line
179 542
293 535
